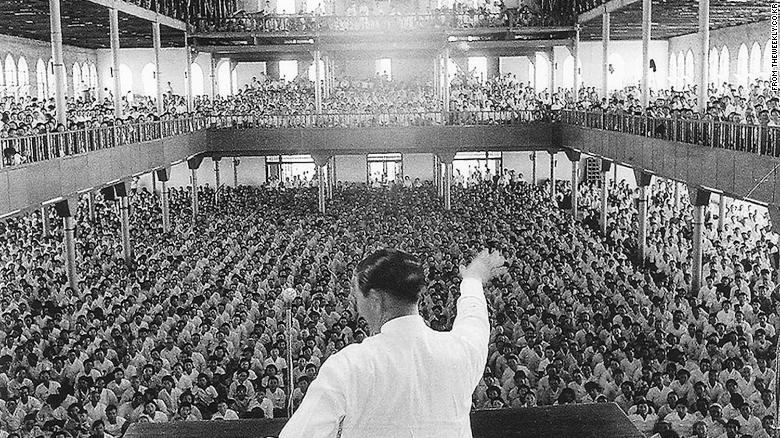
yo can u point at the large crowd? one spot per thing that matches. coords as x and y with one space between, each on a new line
194 328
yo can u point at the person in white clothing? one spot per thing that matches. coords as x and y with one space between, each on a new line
407 379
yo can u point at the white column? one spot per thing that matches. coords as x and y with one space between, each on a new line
194 195
448 185
317 83
721 211
698 221
644 192
158 72
235 171
188 73
217 181
321 188
647 14
113 16
533 167
551 69
124 212
575 172
214 90
60 85
91 205
166 214
605 166
446 85
45 221
704 47
605 54
576 55
552 178
69 248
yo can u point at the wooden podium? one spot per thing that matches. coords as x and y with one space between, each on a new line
603 420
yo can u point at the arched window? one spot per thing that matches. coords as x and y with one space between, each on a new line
680 70
477 65
93 80
225 77
713 73
288 70
125 80
197 80
568 72
689 68
23 77
10 76
76 81
86 79
617 72
755 63
149 79
742 65
724 71
542 67
41 86
767 65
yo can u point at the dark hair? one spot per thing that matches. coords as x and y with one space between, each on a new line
398 273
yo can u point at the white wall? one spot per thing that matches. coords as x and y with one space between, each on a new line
630 52
32 50
418 166
351 168
516 65
245 71
729 37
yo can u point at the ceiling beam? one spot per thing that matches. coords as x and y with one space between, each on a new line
610 6
143 13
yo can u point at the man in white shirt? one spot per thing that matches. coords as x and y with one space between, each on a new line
406 379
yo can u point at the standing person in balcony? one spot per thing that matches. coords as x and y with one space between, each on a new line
405 380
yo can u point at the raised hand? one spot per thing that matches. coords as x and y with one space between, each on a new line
484 267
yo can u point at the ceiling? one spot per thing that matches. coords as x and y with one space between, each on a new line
676 17
84 24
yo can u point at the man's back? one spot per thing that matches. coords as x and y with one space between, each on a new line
407 381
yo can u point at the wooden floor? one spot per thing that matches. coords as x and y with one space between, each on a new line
581 421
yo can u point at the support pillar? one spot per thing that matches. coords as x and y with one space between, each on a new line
317 82
574 157
329 179
188 73
704 47
158 73
438 175
605 166
647 8
321 161
605 55
63 209
576 56
45 221
551 69
193 164
700 199
214 90
643 181
91 205
113 18
217 180
552 178
437 76
533 168
164 176
446 85
721 211
60 84
122 191
447 158
236 162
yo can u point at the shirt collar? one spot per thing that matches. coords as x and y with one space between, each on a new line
402 324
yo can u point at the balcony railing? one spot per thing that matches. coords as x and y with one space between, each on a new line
312 24
757 139
438 118
59 144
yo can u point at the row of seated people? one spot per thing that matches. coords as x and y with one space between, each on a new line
378 102
194 329
393 16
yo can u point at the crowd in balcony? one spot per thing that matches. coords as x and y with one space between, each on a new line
194 328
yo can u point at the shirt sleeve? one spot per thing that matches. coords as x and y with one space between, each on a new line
324 405
471 325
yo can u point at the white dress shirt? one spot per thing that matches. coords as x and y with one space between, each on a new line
407 381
